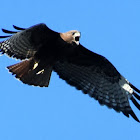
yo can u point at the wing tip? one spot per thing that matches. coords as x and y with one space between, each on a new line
135 102
136 95
5 36
18 28
8 32
134 116
136 89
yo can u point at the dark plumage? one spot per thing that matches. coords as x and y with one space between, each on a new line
44 50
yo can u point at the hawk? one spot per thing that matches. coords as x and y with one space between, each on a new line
43 50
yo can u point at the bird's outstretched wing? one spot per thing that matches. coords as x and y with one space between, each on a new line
96 76
23 43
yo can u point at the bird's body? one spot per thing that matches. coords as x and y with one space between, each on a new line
44 50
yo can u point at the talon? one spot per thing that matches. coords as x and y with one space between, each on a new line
35 65
40 72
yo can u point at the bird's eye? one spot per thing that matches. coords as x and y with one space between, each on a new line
73 33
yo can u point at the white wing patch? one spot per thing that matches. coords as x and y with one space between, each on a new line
125 86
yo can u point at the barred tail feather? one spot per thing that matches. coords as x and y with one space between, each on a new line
26 72
20 69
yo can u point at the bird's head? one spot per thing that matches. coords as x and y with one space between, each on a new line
72 36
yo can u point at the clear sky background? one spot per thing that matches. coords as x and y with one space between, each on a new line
60 112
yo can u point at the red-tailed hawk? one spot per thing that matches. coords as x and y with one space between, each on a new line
44 50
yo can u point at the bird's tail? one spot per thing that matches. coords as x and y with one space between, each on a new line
31 73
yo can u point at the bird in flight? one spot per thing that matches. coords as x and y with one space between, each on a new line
43 50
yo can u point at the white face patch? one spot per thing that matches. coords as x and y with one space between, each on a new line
77 35
77 42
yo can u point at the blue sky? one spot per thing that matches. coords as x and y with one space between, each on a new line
60 112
